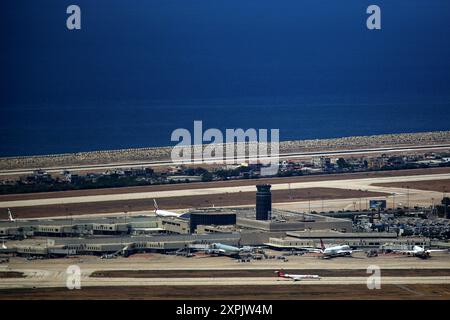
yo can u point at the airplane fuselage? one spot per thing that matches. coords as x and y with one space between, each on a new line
343 250
163 213
224 249
298 277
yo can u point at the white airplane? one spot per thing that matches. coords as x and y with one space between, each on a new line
420 252
163 213
334 251
219 248
297 277
10 216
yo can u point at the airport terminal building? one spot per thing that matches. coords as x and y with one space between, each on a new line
122 234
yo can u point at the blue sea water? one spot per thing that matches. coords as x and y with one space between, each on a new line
94 128
137 70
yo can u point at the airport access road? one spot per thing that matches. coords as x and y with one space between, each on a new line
283 156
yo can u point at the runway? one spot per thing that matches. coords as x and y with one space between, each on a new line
52 273
401 278
60 281
402 194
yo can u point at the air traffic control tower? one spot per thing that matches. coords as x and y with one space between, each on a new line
263 202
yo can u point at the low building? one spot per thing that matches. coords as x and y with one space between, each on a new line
209 217
284 220
111 228
175 225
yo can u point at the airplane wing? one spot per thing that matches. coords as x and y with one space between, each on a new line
437 250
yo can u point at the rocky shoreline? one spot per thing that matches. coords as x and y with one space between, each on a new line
163 153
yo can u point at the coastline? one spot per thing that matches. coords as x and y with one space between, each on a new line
163 153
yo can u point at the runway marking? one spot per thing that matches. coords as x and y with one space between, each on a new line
409 290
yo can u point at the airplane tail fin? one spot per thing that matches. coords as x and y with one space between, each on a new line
322 246
279 273
10 216
155 205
